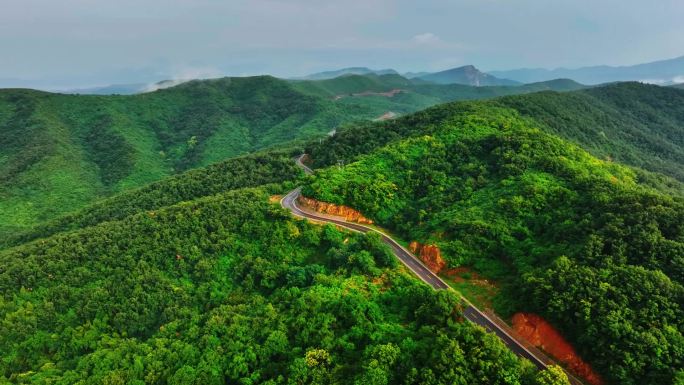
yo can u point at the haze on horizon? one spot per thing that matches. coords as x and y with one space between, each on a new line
79 43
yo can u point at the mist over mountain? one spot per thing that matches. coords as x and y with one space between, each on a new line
658 72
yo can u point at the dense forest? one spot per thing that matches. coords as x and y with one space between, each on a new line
60 152
230 289
201 278
247 171
573 238
633 123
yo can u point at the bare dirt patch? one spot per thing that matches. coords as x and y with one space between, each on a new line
537 331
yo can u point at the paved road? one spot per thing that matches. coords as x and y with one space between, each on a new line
470 312
302 165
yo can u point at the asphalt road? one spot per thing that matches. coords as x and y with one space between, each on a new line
302 165
470 312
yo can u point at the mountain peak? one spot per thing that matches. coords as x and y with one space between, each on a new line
468 75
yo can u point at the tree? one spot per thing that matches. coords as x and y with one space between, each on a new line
552 375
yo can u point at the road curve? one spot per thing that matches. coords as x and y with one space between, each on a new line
470 312
304 167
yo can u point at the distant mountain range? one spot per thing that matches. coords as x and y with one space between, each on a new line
468 75
120 89
663 72
347 71
465 75
412 75
681 85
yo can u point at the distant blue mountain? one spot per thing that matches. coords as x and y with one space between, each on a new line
347 71
662 72
114 89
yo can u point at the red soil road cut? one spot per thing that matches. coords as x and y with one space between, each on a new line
541 334
348 213
429 254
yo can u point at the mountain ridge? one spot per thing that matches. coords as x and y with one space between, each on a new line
346 71
659 72
468 75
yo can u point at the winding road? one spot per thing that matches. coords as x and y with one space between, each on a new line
470 312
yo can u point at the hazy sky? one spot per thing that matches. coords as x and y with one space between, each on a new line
57 43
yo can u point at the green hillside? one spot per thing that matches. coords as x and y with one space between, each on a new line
428 93
576 239
198 278
640 125
60 152
231 289
360 93
348 84
247 171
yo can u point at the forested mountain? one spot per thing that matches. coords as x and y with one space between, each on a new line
230 288
637 124
59 152
352 84
247 171
584 242
640 125
468 75
202 278
348 71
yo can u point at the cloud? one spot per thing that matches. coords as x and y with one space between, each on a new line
184 75
664 82
427 38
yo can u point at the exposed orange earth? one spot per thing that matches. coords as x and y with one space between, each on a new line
541 334
429 254
348 213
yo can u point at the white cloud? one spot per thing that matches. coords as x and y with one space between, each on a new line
183 75
427 38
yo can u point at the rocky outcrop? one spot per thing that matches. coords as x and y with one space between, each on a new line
348 213
541 334
429 254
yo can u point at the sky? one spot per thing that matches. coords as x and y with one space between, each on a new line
83 43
